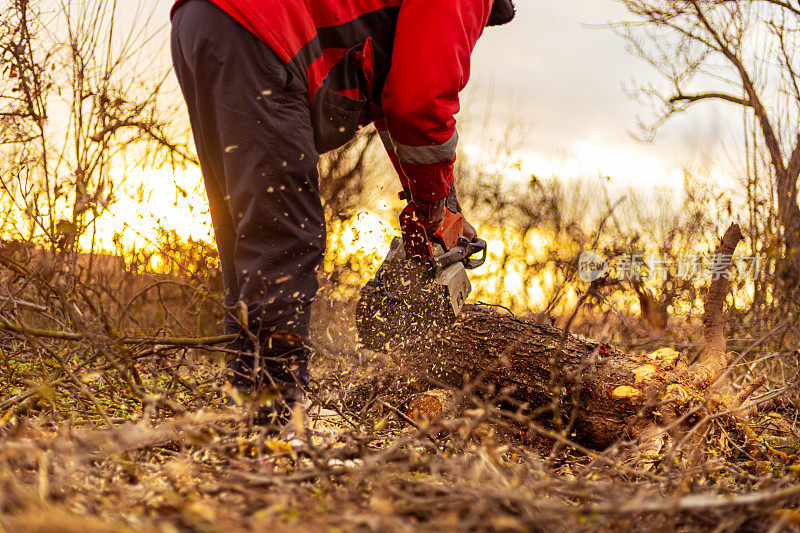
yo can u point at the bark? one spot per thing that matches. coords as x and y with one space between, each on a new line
552 372
714 358
596 390
617 393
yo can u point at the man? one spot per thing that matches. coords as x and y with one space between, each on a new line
271 84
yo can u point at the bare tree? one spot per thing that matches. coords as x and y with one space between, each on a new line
743 53
348 173
80 101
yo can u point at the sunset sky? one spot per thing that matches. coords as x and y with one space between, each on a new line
560 73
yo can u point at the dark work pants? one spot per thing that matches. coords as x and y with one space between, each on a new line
251 122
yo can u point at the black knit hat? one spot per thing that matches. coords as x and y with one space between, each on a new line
503 12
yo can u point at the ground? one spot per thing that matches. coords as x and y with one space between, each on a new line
364 467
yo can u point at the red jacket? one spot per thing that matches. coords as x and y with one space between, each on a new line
398 63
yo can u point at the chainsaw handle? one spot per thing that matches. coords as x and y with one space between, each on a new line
475 246
462 253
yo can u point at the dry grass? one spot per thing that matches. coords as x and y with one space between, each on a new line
97 434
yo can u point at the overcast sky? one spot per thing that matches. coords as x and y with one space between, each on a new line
558 70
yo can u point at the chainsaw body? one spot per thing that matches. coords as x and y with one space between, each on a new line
422 283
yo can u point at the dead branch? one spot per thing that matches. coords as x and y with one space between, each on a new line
714 359
126 339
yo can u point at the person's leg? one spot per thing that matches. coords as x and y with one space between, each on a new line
252 126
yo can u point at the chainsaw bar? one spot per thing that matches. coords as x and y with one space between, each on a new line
409 297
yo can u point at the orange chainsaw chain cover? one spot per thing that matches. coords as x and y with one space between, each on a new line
450 229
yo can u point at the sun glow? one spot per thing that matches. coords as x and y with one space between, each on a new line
149 200
163 199
366 233
158 200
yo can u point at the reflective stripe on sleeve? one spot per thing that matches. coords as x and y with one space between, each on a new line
422 155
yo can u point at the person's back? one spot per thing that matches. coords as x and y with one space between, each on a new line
269 85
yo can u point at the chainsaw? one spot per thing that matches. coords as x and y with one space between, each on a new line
422 283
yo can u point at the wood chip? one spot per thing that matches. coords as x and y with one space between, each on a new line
626 391
645 372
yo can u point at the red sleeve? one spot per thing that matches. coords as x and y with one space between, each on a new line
430 66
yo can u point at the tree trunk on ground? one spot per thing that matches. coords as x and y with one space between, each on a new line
535 364
591 388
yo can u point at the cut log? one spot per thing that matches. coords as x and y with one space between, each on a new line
535 364
560 376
